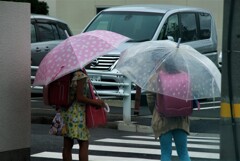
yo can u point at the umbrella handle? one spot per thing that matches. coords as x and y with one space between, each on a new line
106 108
178 43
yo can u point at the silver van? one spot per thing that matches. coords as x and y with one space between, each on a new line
147 22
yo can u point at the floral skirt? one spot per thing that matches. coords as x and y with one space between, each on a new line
75 120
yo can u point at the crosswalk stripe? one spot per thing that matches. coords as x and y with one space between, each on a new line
58 155
142 142
205 155
122 149
198 146
203 140
204 137
148 151
190 139
151 137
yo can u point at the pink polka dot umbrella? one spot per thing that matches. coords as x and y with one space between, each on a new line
75 52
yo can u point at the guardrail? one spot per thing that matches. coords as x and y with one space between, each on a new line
124 89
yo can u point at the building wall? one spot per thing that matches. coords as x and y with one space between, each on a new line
15 110
78 13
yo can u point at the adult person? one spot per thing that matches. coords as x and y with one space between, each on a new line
168 128
74 117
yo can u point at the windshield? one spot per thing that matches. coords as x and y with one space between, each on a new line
139 26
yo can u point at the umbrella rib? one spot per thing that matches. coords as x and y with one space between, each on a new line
205 66
188 72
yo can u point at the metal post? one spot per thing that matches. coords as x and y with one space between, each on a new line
127 102
230 106
137 100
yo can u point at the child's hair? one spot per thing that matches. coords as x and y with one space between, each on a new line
170 67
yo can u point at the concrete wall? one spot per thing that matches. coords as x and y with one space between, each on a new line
78 13
15 111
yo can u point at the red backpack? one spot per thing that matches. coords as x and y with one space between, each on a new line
57 93
171 106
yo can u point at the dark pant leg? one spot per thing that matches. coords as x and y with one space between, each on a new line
180 139
166 146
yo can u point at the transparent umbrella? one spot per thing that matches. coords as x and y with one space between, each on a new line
149 62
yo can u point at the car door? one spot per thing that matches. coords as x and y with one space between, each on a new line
195 29
44 37
199 31
170 29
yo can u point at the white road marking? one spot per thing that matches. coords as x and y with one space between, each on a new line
57 155
190 138
142 142
194 149
193 154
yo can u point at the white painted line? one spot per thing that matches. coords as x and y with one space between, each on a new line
209 102
124 141
207 108
204 155
121 149
141 137
57 155
204 137
189 137
142 142
52 155
203 140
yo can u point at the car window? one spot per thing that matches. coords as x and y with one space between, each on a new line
47 32
189 30
170 28
139 26
188 27
62 28
102 22
205 25
33 34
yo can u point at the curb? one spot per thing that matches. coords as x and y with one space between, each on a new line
41 114
114 122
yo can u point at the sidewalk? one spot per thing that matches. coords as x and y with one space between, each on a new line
42 114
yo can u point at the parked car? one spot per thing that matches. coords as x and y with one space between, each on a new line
195 27
46 33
